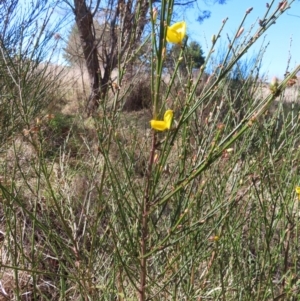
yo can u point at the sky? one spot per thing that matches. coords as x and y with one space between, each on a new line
283 37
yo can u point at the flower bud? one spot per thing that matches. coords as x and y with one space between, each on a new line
274 81
248 11
274 85
154 14
282 5
240 32
213 39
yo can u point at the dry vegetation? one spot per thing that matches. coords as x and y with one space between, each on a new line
62 219
92 206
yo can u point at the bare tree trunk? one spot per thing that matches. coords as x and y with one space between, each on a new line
84 21
123 26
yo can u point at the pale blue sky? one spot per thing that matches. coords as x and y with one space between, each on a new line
279 35
283 37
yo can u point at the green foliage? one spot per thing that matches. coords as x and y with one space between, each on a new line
193 57
60 133
27 83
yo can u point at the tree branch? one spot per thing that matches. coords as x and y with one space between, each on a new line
96 8
293 15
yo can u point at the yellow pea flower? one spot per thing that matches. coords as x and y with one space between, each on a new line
176 32
162 125
298 192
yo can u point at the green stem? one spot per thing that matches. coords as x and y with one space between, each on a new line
230 139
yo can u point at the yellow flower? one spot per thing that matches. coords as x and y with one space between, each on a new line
176 32
161 125
214 238
298 191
